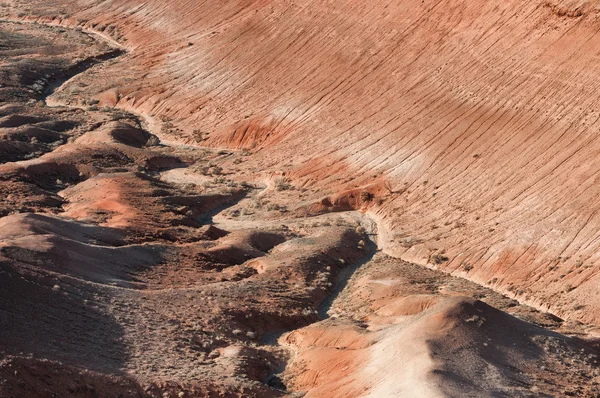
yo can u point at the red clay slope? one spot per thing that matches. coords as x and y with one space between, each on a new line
482 116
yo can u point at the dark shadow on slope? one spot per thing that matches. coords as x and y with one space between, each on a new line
58 318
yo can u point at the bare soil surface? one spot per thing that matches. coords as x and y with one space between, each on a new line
472 126
142 257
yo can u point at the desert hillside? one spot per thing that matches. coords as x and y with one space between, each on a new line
482 118
278 198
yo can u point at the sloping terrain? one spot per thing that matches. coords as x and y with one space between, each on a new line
114 280
480 119
401 330
217 198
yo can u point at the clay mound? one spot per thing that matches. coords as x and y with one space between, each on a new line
32 132
44 378
27 137
116 133
29 224
410 305
129 135
67 164
16 150
458 347
69 248
57 317
144 205
240 246
18 120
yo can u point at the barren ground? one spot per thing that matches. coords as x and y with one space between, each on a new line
175 222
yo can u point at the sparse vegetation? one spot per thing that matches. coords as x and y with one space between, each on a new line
438 258
283 184
276 207
366 196
153 140
191 257
568 288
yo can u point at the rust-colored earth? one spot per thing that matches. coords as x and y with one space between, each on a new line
294 198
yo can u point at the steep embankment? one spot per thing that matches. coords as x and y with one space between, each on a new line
134 267
482 117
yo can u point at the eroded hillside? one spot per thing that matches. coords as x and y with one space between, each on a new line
480 119
188 188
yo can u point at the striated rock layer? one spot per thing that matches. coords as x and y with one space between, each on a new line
479 118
